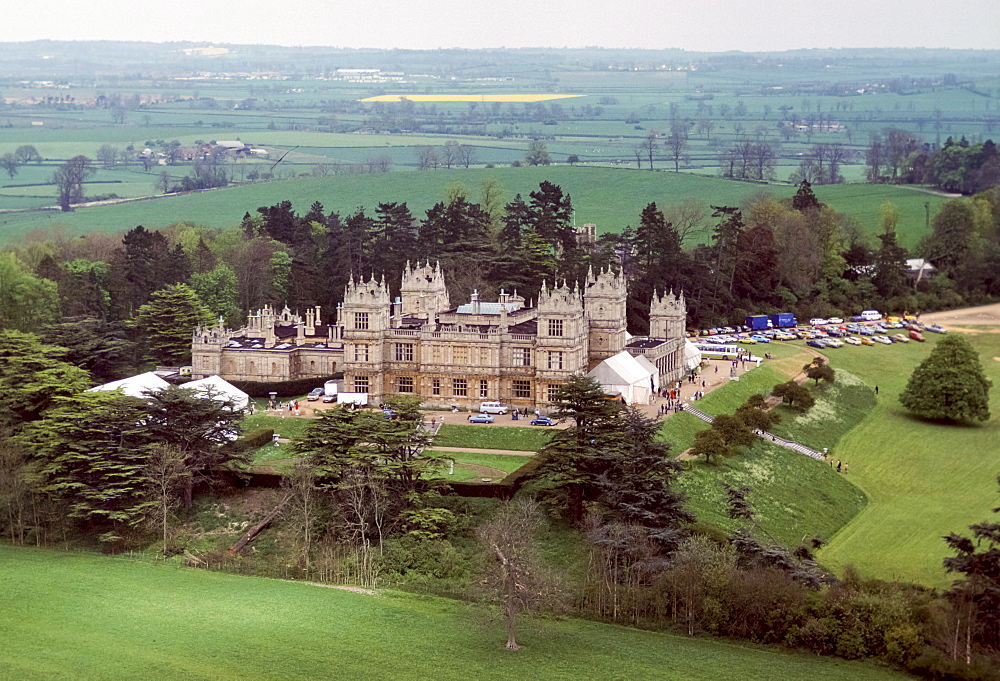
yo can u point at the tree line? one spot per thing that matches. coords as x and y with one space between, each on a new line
768 255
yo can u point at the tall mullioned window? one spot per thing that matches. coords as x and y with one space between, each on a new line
436 386
555 327
522 389
555 360
484 388
361 352
460 387
361 321
361 384
404 352
522 357
404 384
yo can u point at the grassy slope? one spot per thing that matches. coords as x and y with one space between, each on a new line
923 480
795 496
492 437
611 198
88 617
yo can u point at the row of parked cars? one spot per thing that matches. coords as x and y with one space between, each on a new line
835 333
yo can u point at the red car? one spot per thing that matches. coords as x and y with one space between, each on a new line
915 335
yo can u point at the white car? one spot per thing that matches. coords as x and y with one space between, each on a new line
817 321
833 343
834 320
884 340
852 340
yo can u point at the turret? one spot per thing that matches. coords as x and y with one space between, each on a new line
667 315
423 291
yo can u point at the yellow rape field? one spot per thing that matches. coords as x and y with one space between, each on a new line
518 99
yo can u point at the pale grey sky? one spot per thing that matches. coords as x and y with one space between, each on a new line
708 25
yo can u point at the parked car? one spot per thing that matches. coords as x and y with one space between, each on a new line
761 339
330 398
866 331
542 421
315 394
917 336
834 320
867 341
817 321
936 328
833 343
816 343
493 408
900 338
481 418
852 340
884 340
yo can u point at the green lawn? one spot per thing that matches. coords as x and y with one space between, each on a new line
492 436
923 480
286 427
82 617
508 463
611 198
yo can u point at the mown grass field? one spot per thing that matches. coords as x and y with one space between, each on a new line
492 437
923 480
610 198
508 463
87 617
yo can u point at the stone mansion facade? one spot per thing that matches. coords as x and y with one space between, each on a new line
419 344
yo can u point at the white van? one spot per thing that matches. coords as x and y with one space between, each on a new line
492 408
871 315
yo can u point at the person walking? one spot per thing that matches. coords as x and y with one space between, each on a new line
876 390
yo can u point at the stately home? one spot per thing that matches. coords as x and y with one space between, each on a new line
419 344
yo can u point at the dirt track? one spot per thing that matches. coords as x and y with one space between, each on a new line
984 315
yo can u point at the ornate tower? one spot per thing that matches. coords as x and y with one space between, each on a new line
604 297
561 347
667 316
423 291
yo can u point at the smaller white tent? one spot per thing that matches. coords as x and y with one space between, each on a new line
220 389
635 380
135 386
692 356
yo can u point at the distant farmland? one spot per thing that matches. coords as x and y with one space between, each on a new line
517 99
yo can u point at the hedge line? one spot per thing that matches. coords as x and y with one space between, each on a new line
301 386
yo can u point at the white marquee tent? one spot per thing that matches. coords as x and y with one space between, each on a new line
135 386
635 378
692 356
220 389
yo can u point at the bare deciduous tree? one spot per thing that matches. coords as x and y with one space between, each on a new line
515 576
167 473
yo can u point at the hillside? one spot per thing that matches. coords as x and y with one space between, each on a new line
90 617
611 198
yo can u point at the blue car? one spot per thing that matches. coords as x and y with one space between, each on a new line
814 343
542 421
761 339
481 418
